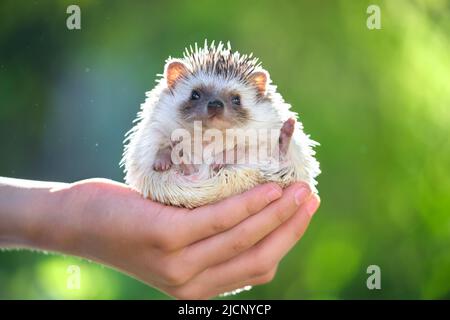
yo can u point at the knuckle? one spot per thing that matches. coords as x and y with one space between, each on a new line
242 242
280 215
262 268
240 245
251 206
266 278
174 278
298 233
263 265
220 224
185 293
245 203
248 209
173 275
165 242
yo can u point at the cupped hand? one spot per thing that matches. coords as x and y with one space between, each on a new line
188 254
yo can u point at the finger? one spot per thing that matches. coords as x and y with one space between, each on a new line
211 219
196 291
262 257
222 247
242 285
278 243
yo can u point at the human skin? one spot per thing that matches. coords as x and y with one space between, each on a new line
188 254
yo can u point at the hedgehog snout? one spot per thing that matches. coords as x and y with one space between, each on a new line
215 107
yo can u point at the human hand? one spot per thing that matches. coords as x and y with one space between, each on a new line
188 254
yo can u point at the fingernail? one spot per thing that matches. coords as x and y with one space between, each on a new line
274 193
301 194
312 205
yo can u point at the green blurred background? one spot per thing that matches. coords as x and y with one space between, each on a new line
378 101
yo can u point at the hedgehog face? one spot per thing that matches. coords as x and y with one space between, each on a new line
216 86
216 105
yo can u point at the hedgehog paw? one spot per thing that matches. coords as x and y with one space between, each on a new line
163 161
217 166
286 132
161 165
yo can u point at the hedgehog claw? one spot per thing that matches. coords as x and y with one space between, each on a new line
163 161
217 166
162 165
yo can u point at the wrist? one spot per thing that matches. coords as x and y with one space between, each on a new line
43 228
27 213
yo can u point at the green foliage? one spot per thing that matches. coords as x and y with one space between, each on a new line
378 101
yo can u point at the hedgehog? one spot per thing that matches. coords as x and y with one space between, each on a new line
215 126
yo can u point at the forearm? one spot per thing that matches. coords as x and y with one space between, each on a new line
26 212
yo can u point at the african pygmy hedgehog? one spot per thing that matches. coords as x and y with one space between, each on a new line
214 92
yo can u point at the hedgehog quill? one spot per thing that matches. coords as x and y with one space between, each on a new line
212 127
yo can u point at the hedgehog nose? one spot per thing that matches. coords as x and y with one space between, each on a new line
215 106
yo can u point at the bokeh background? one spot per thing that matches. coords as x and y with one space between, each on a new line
378 101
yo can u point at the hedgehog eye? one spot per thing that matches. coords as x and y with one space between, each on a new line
236 100
195 95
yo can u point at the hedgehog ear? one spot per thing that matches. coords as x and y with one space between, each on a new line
260 79
174 70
